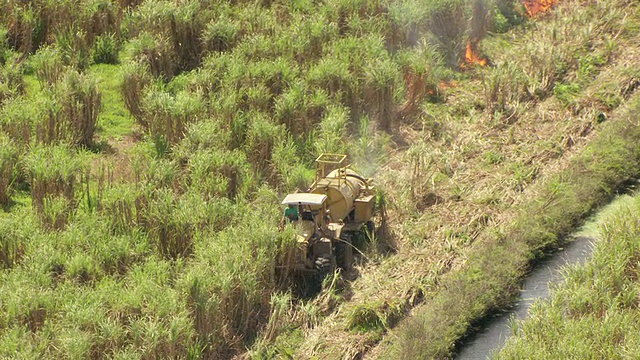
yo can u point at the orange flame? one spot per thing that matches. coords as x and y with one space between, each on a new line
535 7
472 57
444 85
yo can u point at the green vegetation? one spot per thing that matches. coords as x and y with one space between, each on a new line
144 146
8 156
114 120
595 312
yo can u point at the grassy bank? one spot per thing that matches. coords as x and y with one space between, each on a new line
491 276
594 314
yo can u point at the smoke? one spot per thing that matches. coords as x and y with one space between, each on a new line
480 20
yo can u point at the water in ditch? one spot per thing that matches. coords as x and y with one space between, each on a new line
492 337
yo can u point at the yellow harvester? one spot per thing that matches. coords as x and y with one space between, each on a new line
338 205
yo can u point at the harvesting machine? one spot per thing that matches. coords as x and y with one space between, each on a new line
337 207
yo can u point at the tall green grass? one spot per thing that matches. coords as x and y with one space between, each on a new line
179 25
262 137
11 80
221 174
124 207
155 52
8 161
17 117
135 77
48 66
71 109
55 174
73 25
227 287
14 240
167 115
115 295
221 34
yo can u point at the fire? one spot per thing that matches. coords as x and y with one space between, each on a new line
535 7
444 85
472 57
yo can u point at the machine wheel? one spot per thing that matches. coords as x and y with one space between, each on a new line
344 252
371 227
324 266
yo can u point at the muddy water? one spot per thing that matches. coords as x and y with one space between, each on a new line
492 337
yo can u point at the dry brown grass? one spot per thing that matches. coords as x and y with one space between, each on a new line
478 172
474 196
